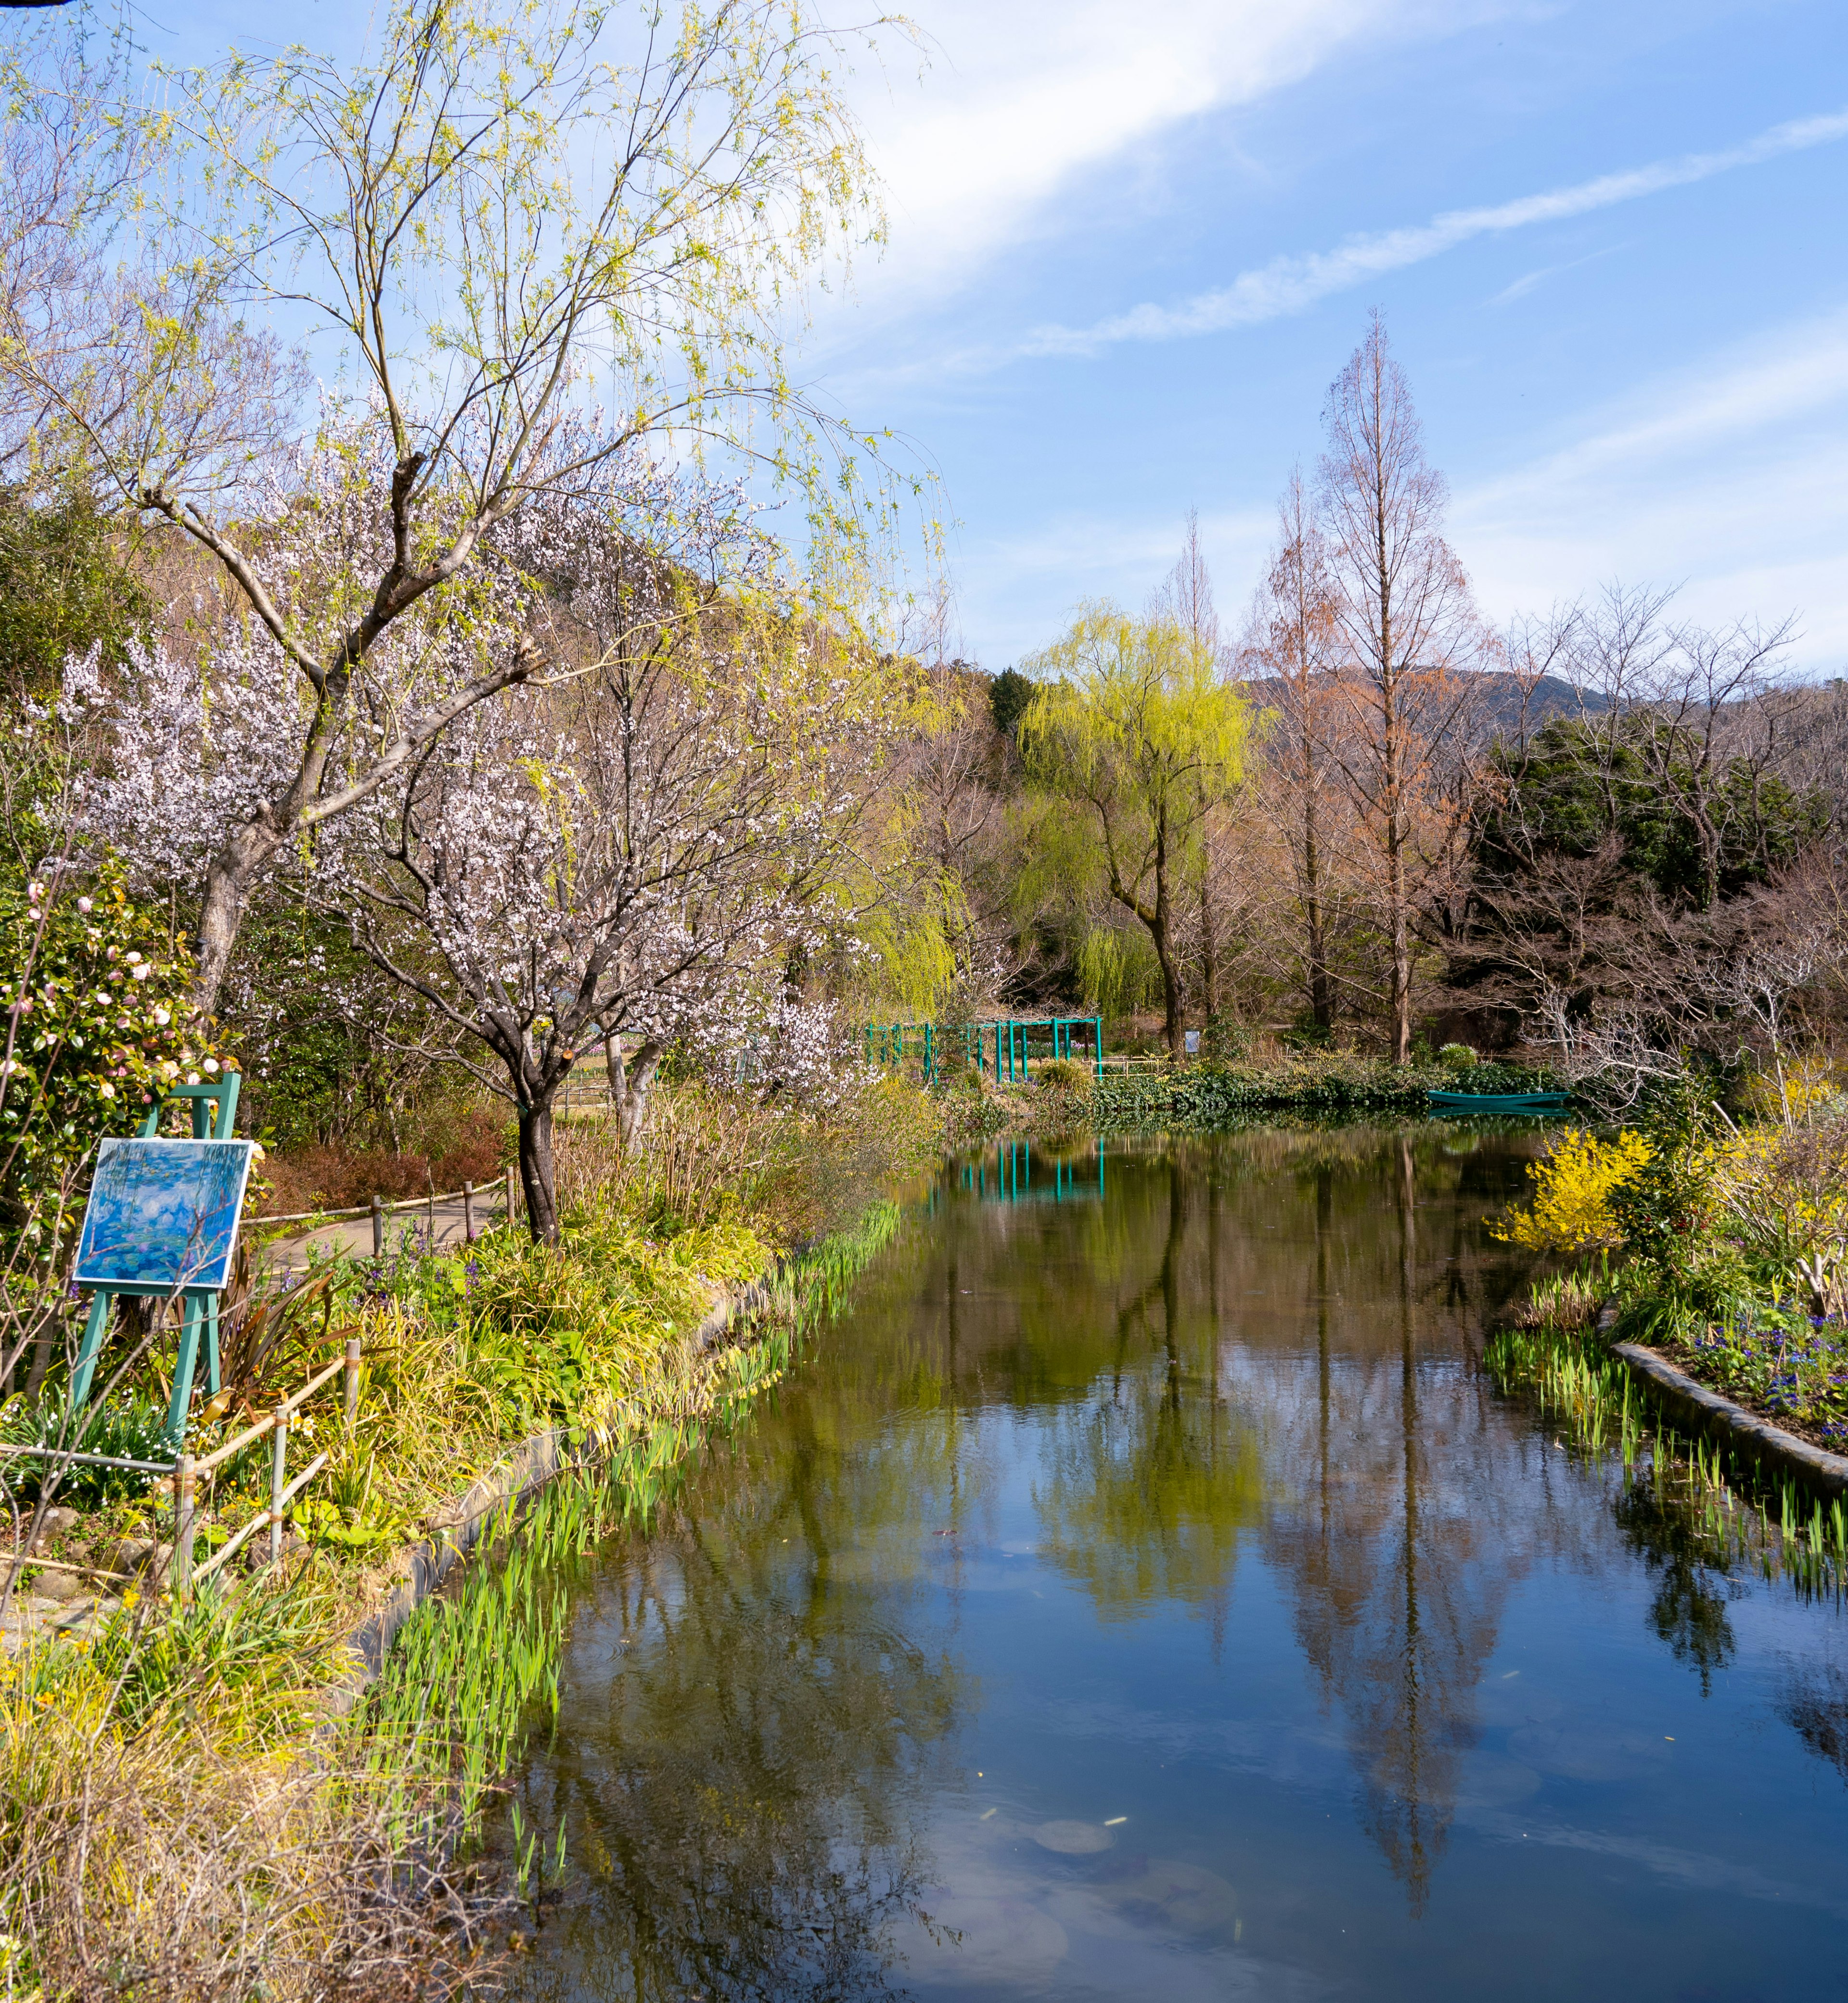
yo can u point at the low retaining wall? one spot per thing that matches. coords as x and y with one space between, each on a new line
1718 1417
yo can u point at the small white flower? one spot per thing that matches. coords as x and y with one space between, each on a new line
83 904
105 1090
192 1077
161 1017
134 960
35 890
211 1063
142 970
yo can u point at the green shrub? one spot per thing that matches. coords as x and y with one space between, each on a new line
134 1429
1456 1057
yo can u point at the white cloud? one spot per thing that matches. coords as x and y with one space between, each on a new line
1288 284
1022 94
1726 479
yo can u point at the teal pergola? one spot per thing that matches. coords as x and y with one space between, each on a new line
1004 1049
214 1108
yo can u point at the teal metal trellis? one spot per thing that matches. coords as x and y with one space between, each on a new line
1004 1049
214 1108
1011 1178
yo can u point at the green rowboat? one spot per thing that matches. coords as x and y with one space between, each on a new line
1498 1102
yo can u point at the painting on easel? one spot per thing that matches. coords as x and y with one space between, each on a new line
162 1215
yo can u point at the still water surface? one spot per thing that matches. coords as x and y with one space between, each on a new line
1143 1592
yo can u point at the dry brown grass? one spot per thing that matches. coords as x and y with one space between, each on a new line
188 1851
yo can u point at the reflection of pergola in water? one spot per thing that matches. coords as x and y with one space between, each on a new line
1011 1181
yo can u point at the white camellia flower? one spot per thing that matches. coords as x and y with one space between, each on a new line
163 1017
141 969
105 1090
211 1063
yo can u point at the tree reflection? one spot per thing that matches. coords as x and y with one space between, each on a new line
1393 1522
1814 1704
1689 1609
741 1791
1152 1483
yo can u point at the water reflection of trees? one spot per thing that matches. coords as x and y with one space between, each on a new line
1689 1564
1152 1482
741 1789
1393 1517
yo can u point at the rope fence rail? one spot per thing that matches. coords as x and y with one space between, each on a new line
183 1472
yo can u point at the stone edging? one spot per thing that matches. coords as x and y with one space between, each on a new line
1720 1418
531 1466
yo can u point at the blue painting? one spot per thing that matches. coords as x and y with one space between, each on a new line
163 1214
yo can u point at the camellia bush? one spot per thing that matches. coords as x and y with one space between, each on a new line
98 1017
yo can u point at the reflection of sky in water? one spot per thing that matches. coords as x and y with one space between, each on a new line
1154 1598
162 1213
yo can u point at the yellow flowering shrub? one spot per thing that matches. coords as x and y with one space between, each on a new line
1573 1187
1806 1089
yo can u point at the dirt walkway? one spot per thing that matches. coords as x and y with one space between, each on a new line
424 1228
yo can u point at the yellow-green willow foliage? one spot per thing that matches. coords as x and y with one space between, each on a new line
1134 727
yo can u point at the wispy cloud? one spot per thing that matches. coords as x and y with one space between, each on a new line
1019 99
1530 281
1289 284
1727 475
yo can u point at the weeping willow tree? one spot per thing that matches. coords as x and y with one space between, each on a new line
1133 725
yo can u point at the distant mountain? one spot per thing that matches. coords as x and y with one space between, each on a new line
1503 696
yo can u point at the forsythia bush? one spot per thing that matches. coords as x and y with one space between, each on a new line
1573 1185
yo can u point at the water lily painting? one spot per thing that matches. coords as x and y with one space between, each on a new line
162 1214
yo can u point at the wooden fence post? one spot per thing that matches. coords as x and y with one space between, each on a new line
278 1463
378 1218
352 1379
183 1527
468 1213
512 1187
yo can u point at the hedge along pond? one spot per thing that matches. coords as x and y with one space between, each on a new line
1148 1586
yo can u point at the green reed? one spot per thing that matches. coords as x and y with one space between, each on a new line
1748 1518
476 1666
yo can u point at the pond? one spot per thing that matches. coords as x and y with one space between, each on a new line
1144 1591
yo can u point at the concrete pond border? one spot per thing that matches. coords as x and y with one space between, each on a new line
1718 1417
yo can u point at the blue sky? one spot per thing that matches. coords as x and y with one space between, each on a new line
1131 245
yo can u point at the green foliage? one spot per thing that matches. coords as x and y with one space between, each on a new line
255 1656
1207 1096
1135 722
1008 696
1579 784
64 590
102 1017
134 1428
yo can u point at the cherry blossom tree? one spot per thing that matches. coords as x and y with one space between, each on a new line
634 849
487 208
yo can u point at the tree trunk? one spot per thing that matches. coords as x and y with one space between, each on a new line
1161 932
1402 946
536 1177
228 876
629 1087
1209 956
1321 999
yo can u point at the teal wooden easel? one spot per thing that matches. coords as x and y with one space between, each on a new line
214 1108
